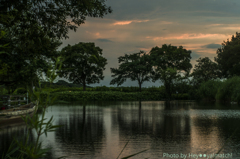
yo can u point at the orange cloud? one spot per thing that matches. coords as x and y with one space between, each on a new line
129 22
139 21
190 36
166 22
96 34
215 24
195 36
122 23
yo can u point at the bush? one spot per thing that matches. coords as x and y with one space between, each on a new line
209 89
229 90
183 96
107 96
20 91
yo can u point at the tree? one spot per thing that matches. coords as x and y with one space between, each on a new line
19 63
205 70
134 66
84 64
170 63
34 29
228 57
22 68
51 15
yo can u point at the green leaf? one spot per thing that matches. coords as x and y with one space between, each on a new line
134 154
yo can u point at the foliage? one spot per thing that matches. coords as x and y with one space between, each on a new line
109 95
229 90
20 91
131 154
205 70
209 89
136 67
182 86
51 15
3 90
34 150
25 55
228 57
33 30
182 96
169 63
104 88
3 46
84 64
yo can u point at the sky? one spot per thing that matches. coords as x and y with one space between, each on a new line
198 25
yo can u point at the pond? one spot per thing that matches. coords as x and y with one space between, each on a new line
180 129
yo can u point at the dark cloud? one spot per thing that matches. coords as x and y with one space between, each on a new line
104 40
194 55
142 9
212 46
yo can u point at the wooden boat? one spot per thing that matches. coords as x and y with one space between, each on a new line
13 116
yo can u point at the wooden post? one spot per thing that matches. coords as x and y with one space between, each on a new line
9 101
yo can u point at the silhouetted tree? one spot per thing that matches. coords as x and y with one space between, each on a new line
169 63
136 67
84 64
228 57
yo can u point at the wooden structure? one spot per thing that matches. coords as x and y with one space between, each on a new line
12 116
7 101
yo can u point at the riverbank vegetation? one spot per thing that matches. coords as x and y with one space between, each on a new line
222 90
31 33
30 49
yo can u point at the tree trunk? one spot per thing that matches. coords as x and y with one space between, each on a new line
168 91
84 85
140 87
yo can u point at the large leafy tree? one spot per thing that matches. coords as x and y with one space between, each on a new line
170 64
52 15
205 70
23 63
34 29
84 64
136 67
228 57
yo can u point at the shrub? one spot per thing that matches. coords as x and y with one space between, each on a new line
209 89
20 91
229 90
108 96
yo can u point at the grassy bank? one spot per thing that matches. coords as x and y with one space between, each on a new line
104 93
113 96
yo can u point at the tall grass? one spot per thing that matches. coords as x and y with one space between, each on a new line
3 90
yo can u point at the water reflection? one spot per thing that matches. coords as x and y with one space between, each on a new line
101 129
82 131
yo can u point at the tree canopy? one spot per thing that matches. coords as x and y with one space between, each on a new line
136 67
84 64
205 70
33 30
228 57
51 15
21 64
170 63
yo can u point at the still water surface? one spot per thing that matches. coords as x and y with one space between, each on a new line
102 129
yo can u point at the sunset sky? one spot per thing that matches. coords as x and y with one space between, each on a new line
198 25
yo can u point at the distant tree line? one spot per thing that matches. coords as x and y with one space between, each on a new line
31 32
